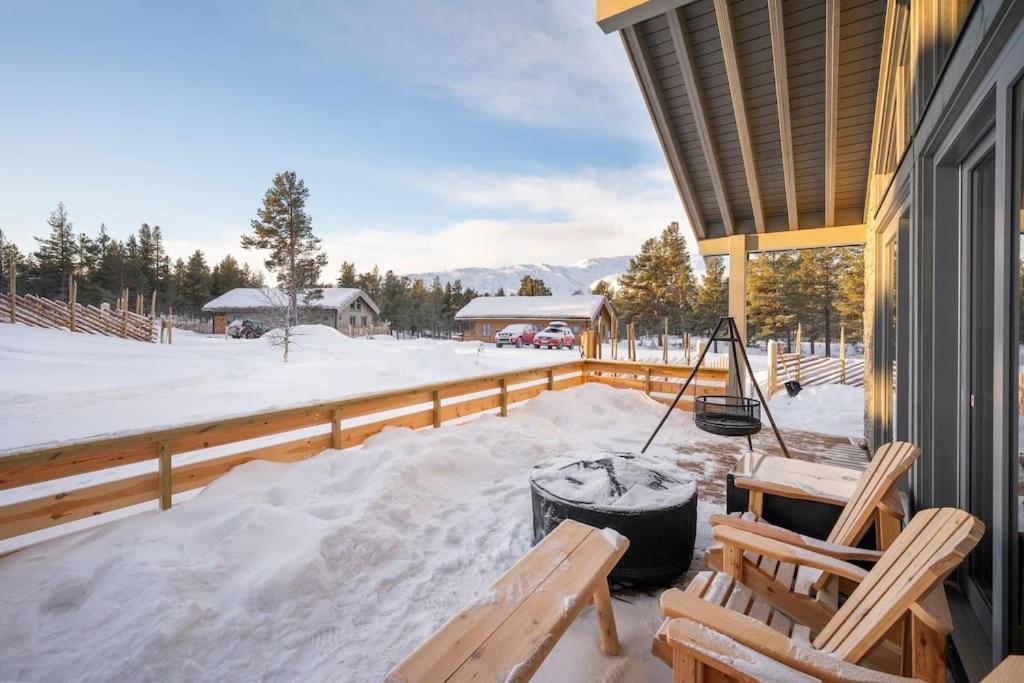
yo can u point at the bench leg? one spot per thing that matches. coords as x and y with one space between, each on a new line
606 619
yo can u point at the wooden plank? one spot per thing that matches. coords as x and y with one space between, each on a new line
737 95
781 73
831 106
353 436
453 643
643 69
205 472
526 637
684 54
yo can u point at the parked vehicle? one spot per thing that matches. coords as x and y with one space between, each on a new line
515 335
555 338
246 329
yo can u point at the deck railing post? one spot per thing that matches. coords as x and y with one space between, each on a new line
437 408
503 385
647 381
551 380
336 429
165 475
773 366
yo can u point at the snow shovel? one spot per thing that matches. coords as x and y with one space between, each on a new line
792 386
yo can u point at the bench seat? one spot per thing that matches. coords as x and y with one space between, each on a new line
509 630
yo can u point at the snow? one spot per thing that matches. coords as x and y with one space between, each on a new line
332 568
835 409
550 307
62 386
255 297
614 480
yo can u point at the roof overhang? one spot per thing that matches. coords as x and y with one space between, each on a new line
764 110
838 236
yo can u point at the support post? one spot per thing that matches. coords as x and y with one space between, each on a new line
664 344
647 382
503 385
12 290
152 307
170 325
606 619
437 408
773 367
72 298
551 380
738 303
799 348
842 354
164 475
336 429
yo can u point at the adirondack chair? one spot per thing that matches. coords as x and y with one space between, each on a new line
718 629
810 594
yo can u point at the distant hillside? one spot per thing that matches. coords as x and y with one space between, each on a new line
560 279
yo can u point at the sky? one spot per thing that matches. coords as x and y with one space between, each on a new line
431 134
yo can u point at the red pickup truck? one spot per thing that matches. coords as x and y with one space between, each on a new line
515 335
555 337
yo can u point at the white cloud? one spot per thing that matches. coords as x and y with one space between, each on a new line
559 219
528 61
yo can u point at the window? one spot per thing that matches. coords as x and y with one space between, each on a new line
485 329
352 321
364 321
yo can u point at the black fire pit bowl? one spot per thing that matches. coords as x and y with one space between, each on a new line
727 415
661 537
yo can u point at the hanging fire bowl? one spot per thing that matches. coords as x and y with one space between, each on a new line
727 415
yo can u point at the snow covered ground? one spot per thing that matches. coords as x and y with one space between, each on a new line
61 385
333 568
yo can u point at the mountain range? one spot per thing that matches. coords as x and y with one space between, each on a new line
579 277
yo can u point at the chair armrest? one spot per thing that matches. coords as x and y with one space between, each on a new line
777 489
933 610
777 533
705 629
785 552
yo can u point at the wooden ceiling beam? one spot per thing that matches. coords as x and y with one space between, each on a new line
643 70
739 107
786 240
831 105
778 31
684 53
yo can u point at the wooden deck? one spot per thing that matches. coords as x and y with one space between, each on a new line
711 473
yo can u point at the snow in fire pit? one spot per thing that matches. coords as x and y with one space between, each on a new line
618 481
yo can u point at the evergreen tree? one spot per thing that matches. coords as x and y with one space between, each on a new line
712 297
56 255
772 297
659 283
348 277
533 286
603 288
195 284
370 283
500 292
285 229
10 257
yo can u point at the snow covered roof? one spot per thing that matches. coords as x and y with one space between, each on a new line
254 297
577 306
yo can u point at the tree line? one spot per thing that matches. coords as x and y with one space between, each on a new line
821 290
103 267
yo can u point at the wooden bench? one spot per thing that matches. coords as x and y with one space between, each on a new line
507 632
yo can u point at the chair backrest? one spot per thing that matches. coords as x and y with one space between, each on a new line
931 546
891 462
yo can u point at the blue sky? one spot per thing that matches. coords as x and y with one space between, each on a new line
432 135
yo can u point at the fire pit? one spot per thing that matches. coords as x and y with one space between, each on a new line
727 415
651 503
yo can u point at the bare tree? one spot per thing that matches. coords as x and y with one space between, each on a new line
280 316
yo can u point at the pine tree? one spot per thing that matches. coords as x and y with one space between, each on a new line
500 292
285 229
712 297
370 283
10 257
771 296
603 288
348 277
195 283
533 286
56 254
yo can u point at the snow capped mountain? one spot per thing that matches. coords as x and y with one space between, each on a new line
579 277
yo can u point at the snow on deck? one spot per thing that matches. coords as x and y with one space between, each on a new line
336 567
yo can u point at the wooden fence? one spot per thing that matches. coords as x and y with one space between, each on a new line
351 421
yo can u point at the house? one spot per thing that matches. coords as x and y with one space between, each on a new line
897 126
485 316
345 309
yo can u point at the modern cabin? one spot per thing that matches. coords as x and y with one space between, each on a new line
898 126
346 309
485 316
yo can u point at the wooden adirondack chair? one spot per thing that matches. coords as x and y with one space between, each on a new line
720 630
810 594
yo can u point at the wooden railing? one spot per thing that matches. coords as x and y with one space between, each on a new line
156 477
